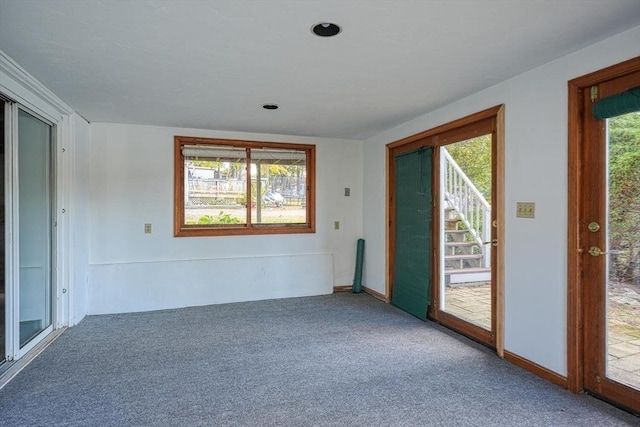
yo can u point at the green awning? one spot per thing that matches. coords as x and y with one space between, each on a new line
617 105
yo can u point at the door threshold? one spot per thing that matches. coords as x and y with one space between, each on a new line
8 370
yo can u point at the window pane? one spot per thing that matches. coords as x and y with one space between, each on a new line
229 187
34 180
216 189
278 186
466 230
623 262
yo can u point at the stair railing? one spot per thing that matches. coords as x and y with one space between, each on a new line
470 205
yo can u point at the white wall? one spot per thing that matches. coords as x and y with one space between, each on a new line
131 183
79 216
536 170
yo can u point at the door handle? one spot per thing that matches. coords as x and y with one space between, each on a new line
596 251
493 242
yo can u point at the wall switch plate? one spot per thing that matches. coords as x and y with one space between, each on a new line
525 210
147 229
336 225
347 192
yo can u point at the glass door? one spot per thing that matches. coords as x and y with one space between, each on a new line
34 213
610 247
468 260
27 230
466 290
622 279
444 237
3 313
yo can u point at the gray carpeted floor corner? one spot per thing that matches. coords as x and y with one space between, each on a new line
336 360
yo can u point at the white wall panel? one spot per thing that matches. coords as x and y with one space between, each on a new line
143 286
79 215
131 183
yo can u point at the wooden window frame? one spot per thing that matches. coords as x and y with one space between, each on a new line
181 229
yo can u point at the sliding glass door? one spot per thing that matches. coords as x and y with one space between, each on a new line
3 323
26 303
445 217
466 232
34 226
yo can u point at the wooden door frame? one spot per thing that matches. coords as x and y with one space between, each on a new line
578 88
430 138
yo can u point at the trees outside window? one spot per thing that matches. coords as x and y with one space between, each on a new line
624 203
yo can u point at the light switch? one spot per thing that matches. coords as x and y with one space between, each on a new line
336 225
525 210
147 229
347 192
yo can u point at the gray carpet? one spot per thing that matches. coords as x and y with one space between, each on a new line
339 360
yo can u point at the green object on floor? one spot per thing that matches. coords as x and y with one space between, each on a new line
357 277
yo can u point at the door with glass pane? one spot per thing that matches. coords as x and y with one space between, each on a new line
3 311
467 291
32 219
26 230
444 237
610 246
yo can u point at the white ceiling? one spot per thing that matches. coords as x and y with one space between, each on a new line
212 64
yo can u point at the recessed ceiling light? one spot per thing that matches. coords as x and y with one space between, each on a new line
270 106
326 29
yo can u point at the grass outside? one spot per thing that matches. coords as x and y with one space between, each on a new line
237 215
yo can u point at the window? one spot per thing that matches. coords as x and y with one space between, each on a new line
229 187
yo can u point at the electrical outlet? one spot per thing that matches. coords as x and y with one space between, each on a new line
147 229
347 192
336 225
525 210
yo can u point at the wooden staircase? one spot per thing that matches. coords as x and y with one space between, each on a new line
467 224
463 258
461 252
